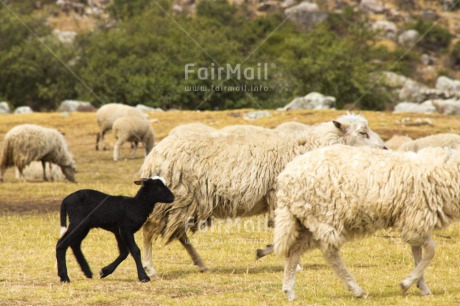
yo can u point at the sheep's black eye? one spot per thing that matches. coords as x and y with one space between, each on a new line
364 134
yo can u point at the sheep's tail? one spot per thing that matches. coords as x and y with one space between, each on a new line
286 231
63 216
6 158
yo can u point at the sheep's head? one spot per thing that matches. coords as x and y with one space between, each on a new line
357 133
156 189
69 172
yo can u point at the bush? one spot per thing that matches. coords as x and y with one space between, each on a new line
454 55
436 38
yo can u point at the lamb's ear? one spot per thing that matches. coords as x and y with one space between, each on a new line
339 125
141 182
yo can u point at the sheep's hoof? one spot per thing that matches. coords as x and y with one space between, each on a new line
405 285
150 271
362 294
144 279
290 295
259 254
203 269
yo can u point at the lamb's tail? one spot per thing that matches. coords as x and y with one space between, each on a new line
286 231
63 216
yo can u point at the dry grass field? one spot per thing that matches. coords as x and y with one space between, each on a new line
29 229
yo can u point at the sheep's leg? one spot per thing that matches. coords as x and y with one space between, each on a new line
265 251
421 284
417 273
104 147
192 252
44 171
21 173
76 248
290 267
332 256
134 145
106 271
147 261
128 238
98 137
116 149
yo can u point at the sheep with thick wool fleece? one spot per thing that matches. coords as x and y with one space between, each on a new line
26 143
133 130
292 127
397 141
229 176
436 140
331 195
108 113
192 128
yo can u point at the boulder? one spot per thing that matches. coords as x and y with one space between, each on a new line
23 110
313 100
66 37
387 28
288 3
393 80
146 108
305 14
251 116
408 38
447 107
267 6
76 106
409 107
445 83
4 108
413 91
372 6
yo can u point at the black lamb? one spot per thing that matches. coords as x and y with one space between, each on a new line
120 215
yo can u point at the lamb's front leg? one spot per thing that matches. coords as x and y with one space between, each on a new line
417 273
128 238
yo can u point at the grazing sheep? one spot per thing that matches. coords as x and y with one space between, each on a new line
396 141
134 130
123 216
438 140
37 171
107 115
292 127
191 128
335 194
229 176
28 142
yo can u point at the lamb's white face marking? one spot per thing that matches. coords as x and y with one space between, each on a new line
156 177
63 231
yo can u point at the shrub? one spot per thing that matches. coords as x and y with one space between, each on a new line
436 38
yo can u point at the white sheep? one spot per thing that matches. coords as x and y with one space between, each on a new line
134 130
396 141
229 176
192 128
106 116
292 127
437 140
29 142
335 194
245 129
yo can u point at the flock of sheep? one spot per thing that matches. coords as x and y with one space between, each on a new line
321 185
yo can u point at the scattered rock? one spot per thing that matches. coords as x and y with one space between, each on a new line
75 106
387 28
146 108
251 116
393 80
372 6
288 3
426 59
177 9
408 38
447 107
4 108
66 37
313 100
445 83
268 6
409 107
306 14
429 14
23 110
416 121
413 91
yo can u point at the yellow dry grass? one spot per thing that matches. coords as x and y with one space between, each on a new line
29 229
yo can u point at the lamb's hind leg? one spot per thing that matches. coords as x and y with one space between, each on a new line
417 274
192 252
332 256
147 231
76 248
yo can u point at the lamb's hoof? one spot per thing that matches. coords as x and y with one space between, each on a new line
405 285
290 295
426 292
203 269
89 275
144 279
362 294
104 273
65 280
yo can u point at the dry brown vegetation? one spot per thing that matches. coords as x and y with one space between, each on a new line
29 229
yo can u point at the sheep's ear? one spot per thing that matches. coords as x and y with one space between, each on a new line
141 182
339 125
